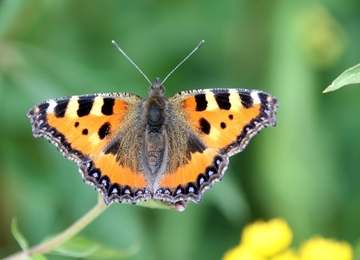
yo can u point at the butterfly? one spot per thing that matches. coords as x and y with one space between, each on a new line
169 149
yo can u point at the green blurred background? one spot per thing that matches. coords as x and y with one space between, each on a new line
305 170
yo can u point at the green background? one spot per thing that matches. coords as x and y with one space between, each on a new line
305 170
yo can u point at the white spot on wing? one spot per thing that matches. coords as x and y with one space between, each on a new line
234 99
97 105
211 102
255 97
51 107
72 107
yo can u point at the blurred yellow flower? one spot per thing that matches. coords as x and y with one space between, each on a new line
267 238
242 252
270 240
289 254
319 248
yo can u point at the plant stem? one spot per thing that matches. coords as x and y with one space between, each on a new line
64 236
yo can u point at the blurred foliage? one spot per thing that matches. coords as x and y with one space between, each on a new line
306 170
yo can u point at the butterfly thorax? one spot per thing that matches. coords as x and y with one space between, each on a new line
154 148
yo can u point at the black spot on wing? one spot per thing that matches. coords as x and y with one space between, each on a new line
104 130
263 97
246 100
107 107
201 102
222 99
85 105
60 108
204 126
43 106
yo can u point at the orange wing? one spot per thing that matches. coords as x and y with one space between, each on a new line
218 123
226 119
82 128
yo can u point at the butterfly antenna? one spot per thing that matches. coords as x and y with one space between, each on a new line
133 63
194 50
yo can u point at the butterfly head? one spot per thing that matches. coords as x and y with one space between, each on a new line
157 89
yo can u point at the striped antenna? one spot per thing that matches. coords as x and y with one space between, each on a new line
133 63
194 50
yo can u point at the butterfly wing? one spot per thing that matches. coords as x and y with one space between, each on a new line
203 127
86 129
217 123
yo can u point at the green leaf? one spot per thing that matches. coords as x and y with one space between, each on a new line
76 247
79 247
18 236
350 76
108 253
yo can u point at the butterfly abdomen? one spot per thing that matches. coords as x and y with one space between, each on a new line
154 143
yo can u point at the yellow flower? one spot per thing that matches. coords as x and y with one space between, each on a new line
267 238
319 248
286 255
242 253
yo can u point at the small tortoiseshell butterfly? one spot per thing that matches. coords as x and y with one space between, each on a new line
169 149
